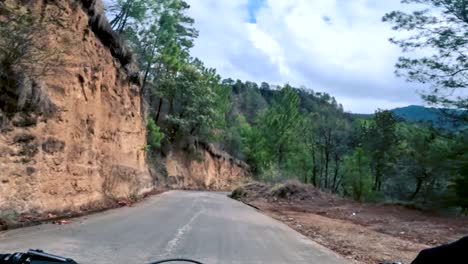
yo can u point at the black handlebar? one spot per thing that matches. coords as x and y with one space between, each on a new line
40 257
34 257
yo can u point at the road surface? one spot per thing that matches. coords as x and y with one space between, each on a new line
209 227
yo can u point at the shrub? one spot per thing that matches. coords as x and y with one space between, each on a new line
155 136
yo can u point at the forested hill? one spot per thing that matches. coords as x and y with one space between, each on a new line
417 113
249 99
436 117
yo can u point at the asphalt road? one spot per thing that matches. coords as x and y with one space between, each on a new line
209 227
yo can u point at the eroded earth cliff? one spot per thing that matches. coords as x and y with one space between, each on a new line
214 170
91 147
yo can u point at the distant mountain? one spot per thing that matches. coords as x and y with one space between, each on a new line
417 113
435 116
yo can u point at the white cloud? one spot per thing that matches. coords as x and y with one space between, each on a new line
347 54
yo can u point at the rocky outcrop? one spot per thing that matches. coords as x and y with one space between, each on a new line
212 170
91 148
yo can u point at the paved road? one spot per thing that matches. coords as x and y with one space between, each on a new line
209 227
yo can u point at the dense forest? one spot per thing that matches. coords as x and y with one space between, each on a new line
284 132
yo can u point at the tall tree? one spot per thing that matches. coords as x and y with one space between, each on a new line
126 12
358 179
279 122
381 142
440 29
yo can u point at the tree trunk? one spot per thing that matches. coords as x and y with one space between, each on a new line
161 101
418 188
143 92
280 155
124 23
378 178
327 161
335 176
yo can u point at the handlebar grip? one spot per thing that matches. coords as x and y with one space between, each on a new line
2 257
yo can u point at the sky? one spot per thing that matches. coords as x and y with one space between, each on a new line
336 46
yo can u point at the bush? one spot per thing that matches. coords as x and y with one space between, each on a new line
272 173
290 189
239 193
155 136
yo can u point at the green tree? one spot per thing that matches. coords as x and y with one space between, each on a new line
309 132
128 12
440 29
358 176
197 106
331 143
459 162
162 44
155 136
279 122
423 160
381 141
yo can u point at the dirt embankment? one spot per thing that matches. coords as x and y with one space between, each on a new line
90 149
215 170
363 233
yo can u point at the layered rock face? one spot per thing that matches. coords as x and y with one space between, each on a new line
91 147
215 170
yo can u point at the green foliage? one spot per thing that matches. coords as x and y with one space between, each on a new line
459 184
154 135
441 30
460 187
270 144
197 106
358 176
381 142
271 173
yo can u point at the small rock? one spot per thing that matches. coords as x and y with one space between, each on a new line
30 170
50 215
24 120
24 138
62 222
29 150
4 124
53 145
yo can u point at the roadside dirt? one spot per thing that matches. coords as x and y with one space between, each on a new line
363 233
66 217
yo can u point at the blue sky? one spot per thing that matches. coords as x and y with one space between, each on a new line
253 7
335 46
